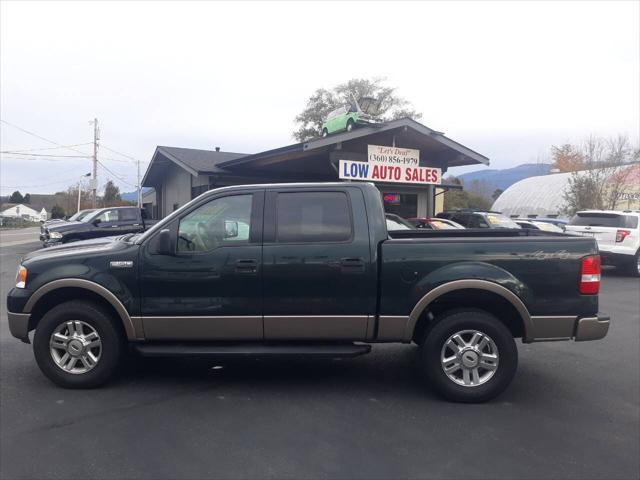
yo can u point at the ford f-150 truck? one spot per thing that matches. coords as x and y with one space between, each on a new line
102 222
306 269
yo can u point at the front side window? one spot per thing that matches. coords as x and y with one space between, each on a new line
220 222
307 217
108 216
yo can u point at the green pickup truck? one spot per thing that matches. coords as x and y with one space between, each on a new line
310 270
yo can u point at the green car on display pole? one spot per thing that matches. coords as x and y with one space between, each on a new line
345 118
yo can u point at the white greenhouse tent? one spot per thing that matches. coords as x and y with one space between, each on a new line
541 196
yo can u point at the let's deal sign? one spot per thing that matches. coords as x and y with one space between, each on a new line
390 164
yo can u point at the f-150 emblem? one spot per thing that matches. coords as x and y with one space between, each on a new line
121 264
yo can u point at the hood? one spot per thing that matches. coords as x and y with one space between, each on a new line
83 247
65 225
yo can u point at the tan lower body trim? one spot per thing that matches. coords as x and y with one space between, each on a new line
203 328
393 328
549 328
316 327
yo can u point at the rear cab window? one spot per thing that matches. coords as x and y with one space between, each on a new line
611 220
313 217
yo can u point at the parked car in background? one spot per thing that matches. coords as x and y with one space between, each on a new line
434 223
76 217
103 222
554 221
396 222
479 219
537 225
617 234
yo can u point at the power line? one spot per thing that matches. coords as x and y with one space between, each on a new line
41 185
45 148
119 177
39 159
46 155
40 136
119 153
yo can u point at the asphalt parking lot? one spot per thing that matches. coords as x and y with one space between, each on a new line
573 411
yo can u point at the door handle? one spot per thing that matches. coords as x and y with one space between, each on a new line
246 266
352 265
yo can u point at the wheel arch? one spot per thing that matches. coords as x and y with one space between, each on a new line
58 291
486 294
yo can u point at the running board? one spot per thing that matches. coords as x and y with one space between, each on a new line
251 349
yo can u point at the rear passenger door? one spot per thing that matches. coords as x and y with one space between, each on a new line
129 220
318 282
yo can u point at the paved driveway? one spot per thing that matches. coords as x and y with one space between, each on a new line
571 412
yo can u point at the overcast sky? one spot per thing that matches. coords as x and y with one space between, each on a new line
505 79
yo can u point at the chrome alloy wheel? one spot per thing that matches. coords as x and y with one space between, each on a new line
75 347
469 358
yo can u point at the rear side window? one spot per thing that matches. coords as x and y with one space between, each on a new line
611 220
128 214
311 217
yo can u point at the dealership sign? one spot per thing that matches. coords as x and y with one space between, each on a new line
390 164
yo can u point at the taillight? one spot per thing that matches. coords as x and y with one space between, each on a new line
622 234
590 275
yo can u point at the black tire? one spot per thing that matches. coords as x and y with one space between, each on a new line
350 125
112 349
325 132
633 267
463 320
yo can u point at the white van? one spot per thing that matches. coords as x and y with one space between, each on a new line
617 234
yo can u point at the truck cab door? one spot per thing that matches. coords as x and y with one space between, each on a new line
318 279
105 225
210 287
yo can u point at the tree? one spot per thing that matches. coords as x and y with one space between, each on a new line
389 106
496 193
111 194
601 185
16 197
567 158
57 212
460 199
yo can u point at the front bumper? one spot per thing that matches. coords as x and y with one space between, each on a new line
19 325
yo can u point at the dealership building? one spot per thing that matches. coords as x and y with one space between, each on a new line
405 159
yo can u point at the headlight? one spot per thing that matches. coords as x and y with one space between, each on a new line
21 277
55 235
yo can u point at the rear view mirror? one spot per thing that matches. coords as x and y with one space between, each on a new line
164 243
96 222
230 229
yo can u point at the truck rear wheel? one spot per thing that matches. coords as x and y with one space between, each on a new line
469 356
77 345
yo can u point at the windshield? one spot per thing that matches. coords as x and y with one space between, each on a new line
547 227
395 222
497 220
596 219
78 216
440 225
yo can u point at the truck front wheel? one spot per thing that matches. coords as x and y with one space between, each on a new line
469 356
77 345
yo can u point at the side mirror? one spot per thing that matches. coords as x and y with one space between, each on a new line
96 222
164 243
230 229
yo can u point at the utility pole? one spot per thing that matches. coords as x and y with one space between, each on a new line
139 188
94 180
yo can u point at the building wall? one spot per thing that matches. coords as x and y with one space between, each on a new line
176 189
